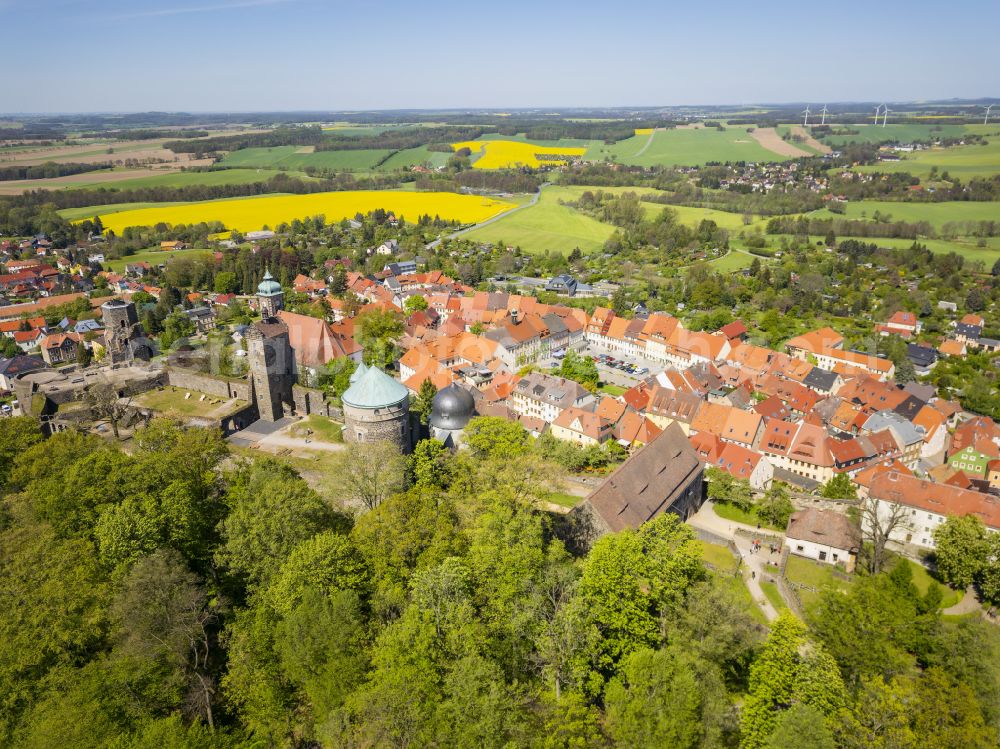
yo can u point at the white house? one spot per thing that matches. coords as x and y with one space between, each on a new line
823 535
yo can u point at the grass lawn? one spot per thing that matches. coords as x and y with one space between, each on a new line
152 256
773 595
172 402
611 389
547 225
295 157
735 583
563 499
814 574
733 261
923 580
719 556
737 515
693 147
320 428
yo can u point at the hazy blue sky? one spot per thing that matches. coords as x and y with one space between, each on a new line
199 55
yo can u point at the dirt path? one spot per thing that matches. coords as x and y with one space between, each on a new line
809 140
768 137
648 144
487 222
754 563
273 442
968 605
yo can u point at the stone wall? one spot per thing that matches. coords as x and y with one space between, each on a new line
217 386
312 401
386 424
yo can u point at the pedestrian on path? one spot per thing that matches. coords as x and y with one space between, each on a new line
753 574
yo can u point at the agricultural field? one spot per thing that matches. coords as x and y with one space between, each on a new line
685 147
250 214
936 214
908 133
412 157
503 154
547 225
300 157
964 162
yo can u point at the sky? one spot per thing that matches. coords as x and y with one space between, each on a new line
293 55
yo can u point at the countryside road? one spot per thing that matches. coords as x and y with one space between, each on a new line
487 222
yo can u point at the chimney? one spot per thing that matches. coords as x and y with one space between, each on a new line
515 316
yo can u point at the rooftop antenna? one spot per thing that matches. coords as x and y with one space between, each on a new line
986 119
805 121
885 116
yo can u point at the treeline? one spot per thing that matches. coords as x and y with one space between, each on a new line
49 170
802 225
609 132
145 134
283 136
278 183
775 202
505 181
398 140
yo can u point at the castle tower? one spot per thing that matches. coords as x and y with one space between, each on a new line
377 409
121 330
272 368
453 407
270 297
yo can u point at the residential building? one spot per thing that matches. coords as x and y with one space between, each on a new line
823 535
545 397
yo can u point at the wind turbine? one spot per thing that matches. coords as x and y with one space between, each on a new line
805 122
823 112
877 110
986 119
885 116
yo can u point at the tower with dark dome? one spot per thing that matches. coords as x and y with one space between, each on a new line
453 407
270 297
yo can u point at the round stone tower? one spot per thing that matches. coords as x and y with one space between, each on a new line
377 409
451 410
270 297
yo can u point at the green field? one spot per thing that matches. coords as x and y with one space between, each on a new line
89 211
964 162
188 179
294 157
413 156
172 402
936 214
733 261
814 574
870 133
547 225
685 148
719 556
152 256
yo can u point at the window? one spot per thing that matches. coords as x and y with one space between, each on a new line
822 556
835 557
800 548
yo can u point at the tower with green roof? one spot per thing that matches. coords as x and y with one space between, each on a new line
270 297
377 409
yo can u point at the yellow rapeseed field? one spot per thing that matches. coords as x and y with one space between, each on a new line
251 214
644 131
501 154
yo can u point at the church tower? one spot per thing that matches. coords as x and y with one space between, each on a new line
270 297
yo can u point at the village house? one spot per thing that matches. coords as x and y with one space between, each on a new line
737 461
584 428
823 535
921 506
545 397
59 348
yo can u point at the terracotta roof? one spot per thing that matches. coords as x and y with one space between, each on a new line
816 340
936 498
